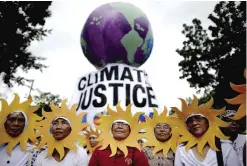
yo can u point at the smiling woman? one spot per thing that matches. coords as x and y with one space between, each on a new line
120 133
120 129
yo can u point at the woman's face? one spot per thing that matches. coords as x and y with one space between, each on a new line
15 124
197 125
162 132
120 130
93 141
60 129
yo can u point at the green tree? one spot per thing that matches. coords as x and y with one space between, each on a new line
20 24
212 58
44 99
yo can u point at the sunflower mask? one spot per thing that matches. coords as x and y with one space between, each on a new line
214 123
240 99
86 141
106 135
149 126
71 139
30 121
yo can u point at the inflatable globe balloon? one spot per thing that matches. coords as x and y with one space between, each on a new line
117 33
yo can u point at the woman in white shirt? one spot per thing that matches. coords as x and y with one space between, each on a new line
61 128
80 158
16 133
15 124
60 131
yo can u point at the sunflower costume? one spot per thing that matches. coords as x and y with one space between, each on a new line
106 135
30 123
149 126
71 139
86 141
214 123
240 99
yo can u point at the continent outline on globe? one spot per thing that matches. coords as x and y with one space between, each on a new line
117 33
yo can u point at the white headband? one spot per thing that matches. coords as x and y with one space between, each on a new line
193 115
62 117
122 121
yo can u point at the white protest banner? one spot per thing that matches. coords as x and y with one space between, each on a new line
113 83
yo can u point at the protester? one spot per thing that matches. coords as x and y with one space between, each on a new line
93 141
119 140
17 133
161 139
90 141
234 132
60 130
201 137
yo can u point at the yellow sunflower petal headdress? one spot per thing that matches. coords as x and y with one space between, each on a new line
29 130
149 135
240 99
214 123
106 135
86 141
71 139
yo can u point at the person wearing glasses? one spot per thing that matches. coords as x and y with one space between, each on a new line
198 125
234 132
120 131
162 137
203 144
162 133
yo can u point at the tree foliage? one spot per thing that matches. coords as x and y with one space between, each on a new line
212 58
20 24
44 99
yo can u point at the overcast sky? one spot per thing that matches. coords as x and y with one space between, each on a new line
67 63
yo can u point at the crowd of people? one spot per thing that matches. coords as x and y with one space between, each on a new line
196 135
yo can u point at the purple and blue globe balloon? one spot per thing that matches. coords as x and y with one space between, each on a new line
117 33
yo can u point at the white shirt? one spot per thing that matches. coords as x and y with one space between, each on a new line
238 146
230 158
71 159
18 157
